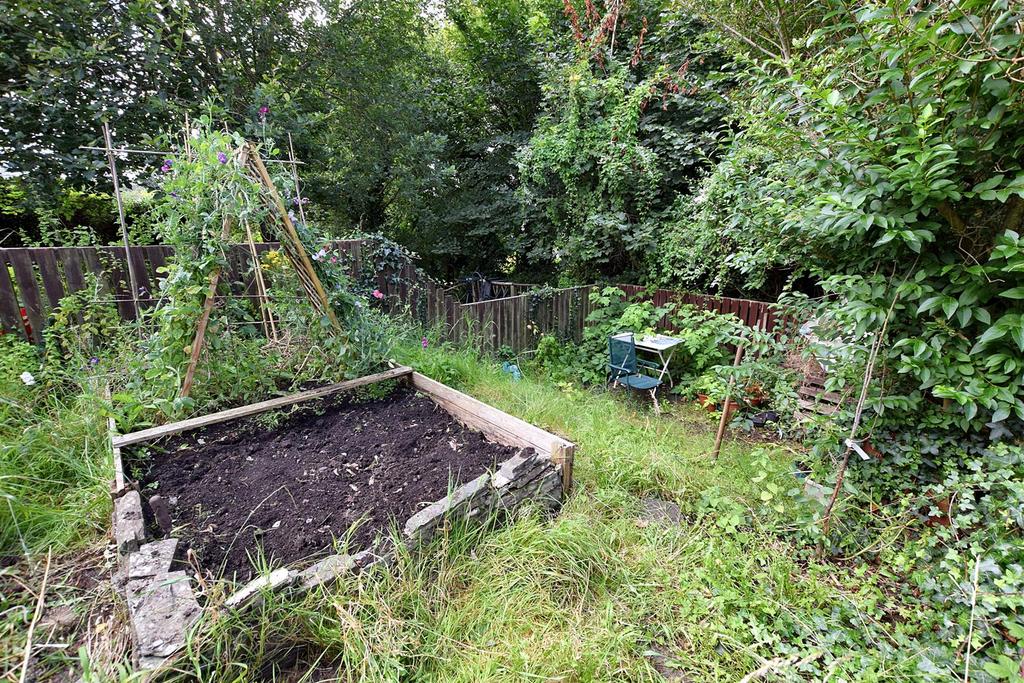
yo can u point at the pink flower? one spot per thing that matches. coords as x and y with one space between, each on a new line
424 342
264 110
377 294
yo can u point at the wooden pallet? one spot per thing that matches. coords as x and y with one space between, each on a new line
814 401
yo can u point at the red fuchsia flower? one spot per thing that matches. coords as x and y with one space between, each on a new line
377 294
425 342
222 157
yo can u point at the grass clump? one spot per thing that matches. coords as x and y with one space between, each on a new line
54 460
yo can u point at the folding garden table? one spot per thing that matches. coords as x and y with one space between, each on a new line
660 345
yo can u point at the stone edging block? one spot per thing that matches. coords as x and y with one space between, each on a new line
162 609
129 526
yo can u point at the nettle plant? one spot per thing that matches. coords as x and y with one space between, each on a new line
204 189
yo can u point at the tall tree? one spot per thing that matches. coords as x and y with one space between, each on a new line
137 63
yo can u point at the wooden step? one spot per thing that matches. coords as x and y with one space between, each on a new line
819 394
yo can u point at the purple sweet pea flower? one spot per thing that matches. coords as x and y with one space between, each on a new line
264 110
425 342
94 360
167 166
222 157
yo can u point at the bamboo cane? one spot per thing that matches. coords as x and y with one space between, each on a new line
261 289
302 260
725 408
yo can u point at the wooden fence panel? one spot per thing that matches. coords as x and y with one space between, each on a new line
50 274
749 311
24 277
72 260
35 279
10 311
137 261
516 322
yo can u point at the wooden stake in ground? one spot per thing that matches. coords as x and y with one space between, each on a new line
725 407
841 472
869 371
563 455
40 602
211 293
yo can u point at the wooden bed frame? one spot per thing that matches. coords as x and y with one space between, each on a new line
495 424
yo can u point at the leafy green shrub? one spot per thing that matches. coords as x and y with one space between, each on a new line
612 313
83 327
725 236
704 334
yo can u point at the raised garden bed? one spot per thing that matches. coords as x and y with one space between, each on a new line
317 493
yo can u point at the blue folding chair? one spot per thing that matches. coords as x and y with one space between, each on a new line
623 368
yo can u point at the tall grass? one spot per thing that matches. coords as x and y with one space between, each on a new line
55 462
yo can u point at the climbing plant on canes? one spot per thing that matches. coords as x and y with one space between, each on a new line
211 199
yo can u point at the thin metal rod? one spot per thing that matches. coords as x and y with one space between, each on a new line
120 214
158 152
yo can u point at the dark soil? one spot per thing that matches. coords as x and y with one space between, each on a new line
342 473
